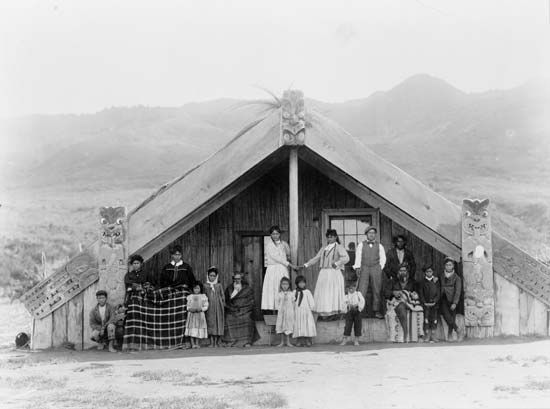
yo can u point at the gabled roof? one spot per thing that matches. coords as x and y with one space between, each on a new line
387 185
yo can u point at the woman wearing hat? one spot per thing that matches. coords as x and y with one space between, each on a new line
451 288
277 253
329 295
370 259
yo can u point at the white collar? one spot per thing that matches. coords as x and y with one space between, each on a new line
330 246
429 278
179 263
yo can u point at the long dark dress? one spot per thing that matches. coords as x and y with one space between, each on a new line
239 324
215 313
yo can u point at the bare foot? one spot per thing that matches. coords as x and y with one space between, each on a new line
280 345
290 345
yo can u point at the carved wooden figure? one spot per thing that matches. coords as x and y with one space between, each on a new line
293 118
477 258
112 252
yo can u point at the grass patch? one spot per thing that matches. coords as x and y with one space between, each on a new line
506 388
174 376
111 399
538 385
39 382
507 358
265 399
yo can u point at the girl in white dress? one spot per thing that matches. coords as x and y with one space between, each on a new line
277 253
304 322
329 291
285 312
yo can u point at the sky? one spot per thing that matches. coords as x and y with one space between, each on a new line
60 56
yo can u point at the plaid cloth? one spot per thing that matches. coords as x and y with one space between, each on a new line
156 319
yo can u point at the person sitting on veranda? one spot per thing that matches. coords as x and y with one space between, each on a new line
102 318
400 298
239 307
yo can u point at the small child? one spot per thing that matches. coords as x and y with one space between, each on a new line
429 293
120 316
304 322
216 304
354 303
285 312
197 304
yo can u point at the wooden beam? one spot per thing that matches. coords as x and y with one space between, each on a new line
189 193
186 223
364 193
293 205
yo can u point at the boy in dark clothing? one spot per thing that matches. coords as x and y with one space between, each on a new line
102 322
451 288
429 293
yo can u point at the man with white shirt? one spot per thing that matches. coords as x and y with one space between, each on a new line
102 322
370 258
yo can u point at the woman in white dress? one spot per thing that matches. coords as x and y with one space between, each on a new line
277 253
329 292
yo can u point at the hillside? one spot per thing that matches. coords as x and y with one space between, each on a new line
57 169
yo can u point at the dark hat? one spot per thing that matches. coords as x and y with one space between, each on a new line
371 228
212 268
22 340
176 249
331 232
136 257
299 279
101 292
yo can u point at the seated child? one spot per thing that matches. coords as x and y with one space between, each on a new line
102 322
355 303
120 317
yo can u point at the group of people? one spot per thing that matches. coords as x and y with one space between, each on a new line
226 317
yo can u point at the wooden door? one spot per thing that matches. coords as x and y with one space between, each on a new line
253 267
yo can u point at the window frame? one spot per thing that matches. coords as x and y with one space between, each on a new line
326 214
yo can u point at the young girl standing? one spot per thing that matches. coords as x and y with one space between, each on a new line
215 312
304 322
285 315
197 304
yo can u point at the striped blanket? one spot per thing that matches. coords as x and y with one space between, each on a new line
156 319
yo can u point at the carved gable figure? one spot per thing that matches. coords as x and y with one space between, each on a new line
293 118
112 227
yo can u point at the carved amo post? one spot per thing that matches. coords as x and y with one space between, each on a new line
293 132
477 259
112 255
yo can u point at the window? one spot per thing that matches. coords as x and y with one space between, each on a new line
350 224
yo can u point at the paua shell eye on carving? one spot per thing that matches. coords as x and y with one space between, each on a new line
485 213
118 221
103 220
467 213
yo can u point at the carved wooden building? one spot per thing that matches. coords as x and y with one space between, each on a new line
301 171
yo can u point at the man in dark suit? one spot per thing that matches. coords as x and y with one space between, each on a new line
177 272
398 255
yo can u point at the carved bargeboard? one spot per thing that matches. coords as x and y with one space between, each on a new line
477 258
293 118
54 291
112 252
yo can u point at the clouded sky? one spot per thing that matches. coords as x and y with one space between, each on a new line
61 56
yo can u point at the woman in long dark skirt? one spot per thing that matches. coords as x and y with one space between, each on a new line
239 307
215 313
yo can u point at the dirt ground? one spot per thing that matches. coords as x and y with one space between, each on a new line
497 373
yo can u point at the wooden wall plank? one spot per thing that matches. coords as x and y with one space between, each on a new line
42 333
59 323
507 307
75 321
89 301
540 318
526 316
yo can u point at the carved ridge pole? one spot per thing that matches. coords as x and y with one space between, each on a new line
477 259
113 252
293 132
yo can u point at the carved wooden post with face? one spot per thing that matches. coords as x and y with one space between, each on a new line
477 258
112 252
